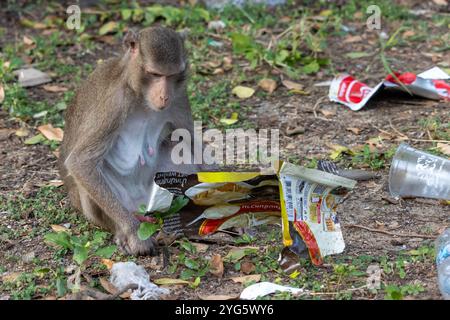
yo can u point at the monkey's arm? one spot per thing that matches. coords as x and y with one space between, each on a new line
94 135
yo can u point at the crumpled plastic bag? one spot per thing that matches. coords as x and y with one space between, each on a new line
124 274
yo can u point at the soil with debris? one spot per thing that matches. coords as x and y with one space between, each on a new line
374 224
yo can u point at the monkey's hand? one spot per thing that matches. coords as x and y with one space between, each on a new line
131 244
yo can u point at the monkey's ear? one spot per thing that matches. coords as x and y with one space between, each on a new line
131 40
183 34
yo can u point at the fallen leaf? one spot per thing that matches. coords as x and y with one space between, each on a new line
32 24
295 130
35 140
243 92
5 133
55 183
354 130
22 132
358 54
200 247
444 148
442 3
237 254
11 277
51 133
216 265
408 33
247 267
328 113
108 27
338 150
227 63
108 39
291 85
244 279
268 85
108 286
54 88
2 93
108 263
230 121
352 39
58 228
170 281
28 41
218 297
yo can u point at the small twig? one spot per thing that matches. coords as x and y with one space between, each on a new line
409 235
404 136
132 286
316 105
398 132
331 293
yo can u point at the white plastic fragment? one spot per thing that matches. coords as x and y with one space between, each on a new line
434 73
31 77
125 273
262 289
160 199
216 25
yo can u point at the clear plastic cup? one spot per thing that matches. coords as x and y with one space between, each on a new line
415 173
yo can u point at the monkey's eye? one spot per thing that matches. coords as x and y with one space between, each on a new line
155 75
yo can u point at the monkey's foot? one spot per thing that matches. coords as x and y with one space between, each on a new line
134 246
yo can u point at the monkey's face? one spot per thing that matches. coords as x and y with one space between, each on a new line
161 86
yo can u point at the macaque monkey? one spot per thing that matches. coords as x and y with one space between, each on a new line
118 129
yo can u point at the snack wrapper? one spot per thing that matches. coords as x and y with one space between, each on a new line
303 201
309 199
219 201
429 84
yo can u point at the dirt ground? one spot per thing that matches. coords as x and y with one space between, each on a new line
25 169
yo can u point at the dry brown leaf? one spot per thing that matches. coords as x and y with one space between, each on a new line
28 41
442 3
247 267
51 133
291 85
244 279
408 33
354 130
200 247
227 63
5 133
170 282
352 39
328 113
108 286
58 228
11 277
55 183
444 148
268 85
216 265
56 153
54 88
108 263
2 93
108 39
218 297
22 132
218 71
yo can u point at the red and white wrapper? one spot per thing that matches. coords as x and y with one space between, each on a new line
354 94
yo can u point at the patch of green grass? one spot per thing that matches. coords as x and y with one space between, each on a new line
373 159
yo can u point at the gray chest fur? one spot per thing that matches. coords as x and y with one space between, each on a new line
135 156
